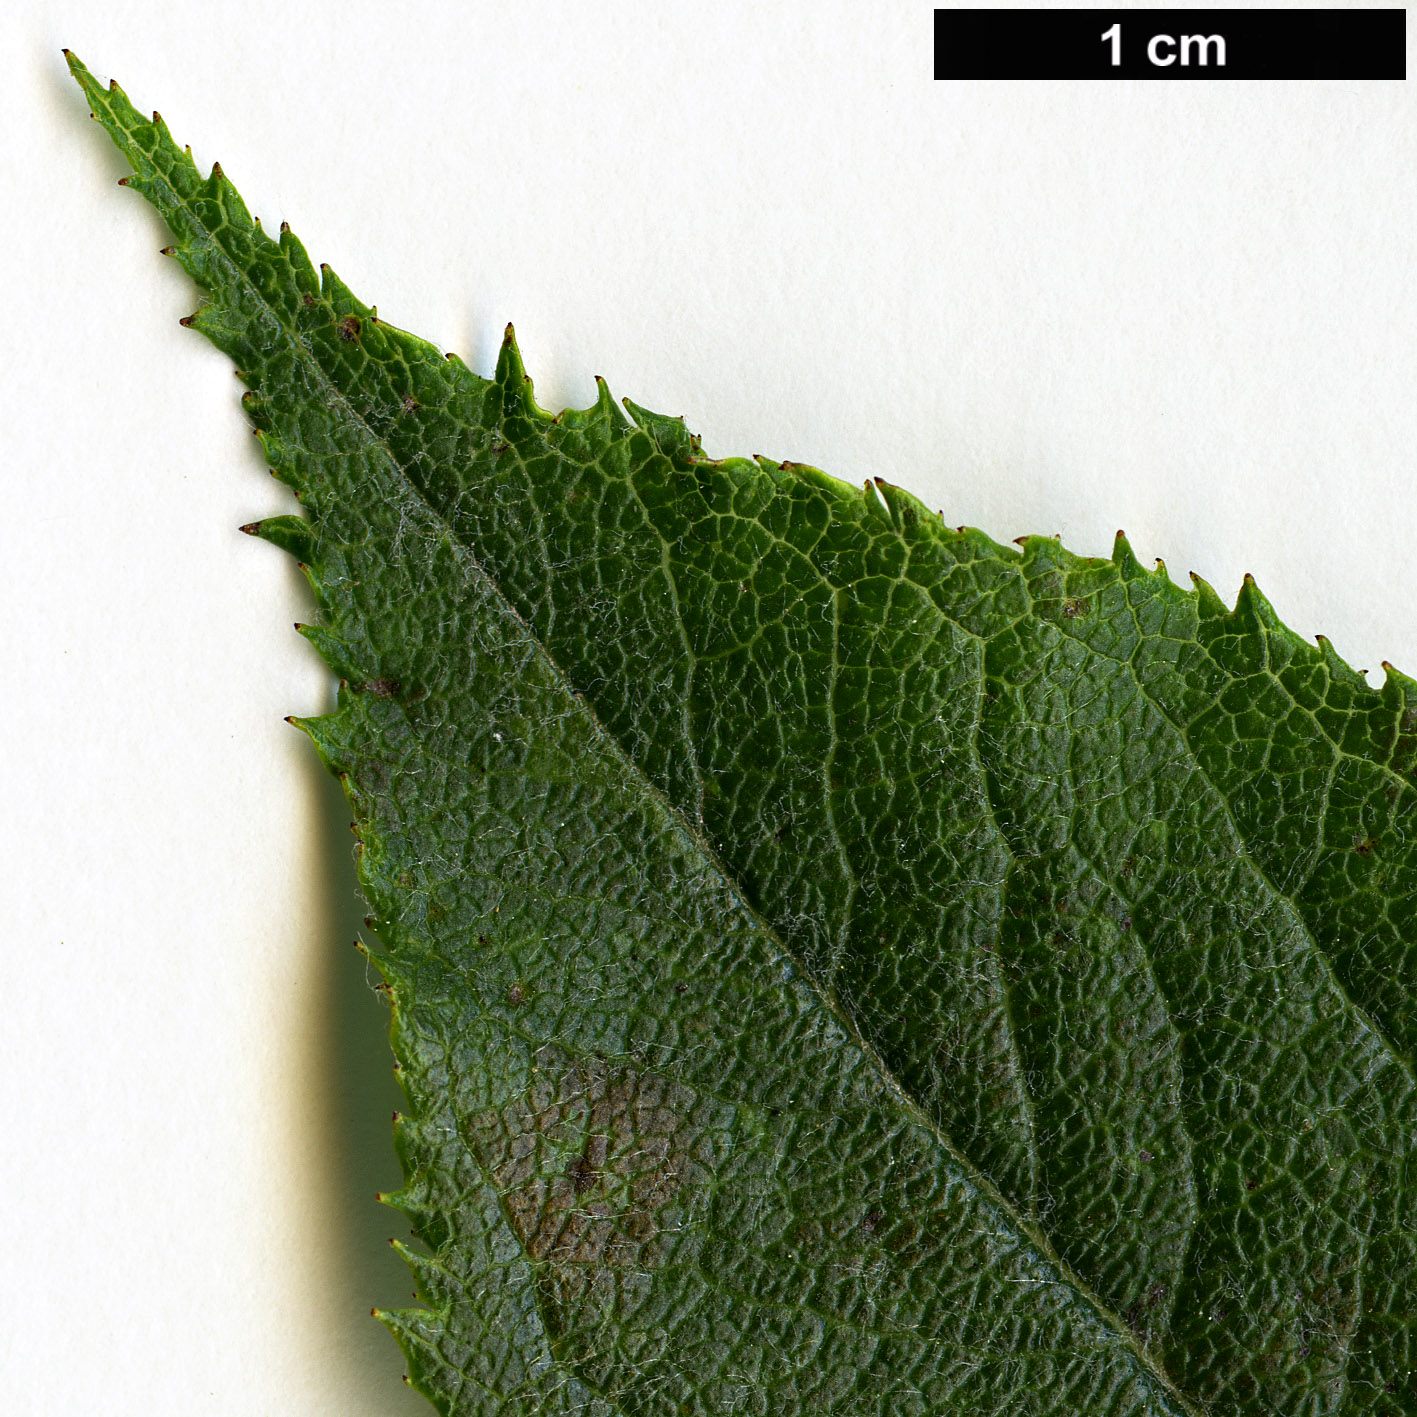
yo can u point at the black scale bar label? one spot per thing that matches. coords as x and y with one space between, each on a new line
1171 44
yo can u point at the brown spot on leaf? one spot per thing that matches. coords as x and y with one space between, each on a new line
584 1171
349 327
595 1163
516 995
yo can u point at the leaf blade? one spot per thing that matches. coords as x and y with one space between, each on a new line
997 615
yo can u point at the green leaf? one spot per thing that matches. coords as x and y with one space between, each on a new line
839 964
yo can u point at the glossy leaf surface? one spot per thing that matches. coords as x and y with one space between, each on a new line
840 964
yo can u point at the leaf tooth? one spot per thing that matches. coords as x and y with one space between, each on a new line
306 277
386 960
296 536
333 650
217 187
435 1286
843 493
419 1328
1045 553
402 1200
668 432
181 252
292 534
332 288
518 393
419 1333
603 411
1338 668
1211 605
213 320
1124 558
326 732
906 508
510 368
982 544
607 406
1398 682
414 1200
871 495
1252 604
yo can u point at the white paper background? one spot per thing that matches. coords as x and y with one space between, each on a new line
1184 309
